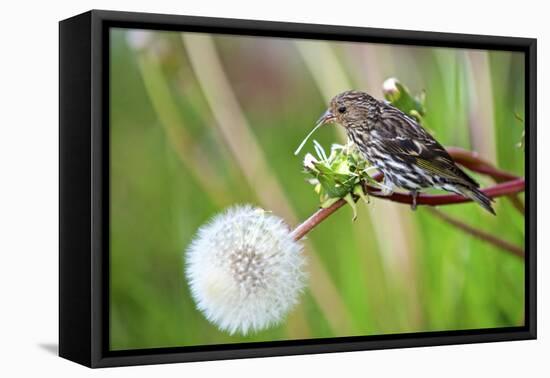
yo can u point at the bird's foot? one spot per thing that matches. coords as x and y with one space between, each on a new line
386 189
414 194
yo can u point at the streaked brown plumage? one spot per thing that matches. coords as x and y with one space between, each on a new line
407 155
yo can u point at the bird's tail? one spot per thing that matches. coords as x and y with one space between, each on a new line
477 196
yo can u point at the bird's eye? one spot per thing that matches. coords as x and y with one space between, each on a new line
342 109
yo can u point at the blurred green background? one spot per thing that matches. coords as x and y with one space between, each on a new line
199 123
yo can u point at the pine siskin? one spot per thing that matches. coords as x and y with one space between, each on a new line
407 155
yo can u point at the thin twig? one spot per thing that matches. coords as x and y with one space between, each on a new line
482 235
317 217
472 161
498 190
517 203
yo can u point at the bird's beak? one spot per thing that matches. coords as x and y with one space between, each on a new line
327 117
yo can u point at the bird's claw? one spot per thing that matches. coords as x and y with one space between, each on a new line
386 189
414 194
382 193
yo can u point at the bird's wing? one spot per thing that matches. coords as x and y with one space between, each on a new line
417 147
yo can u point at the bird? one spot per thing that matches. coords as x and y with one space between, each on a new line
399 147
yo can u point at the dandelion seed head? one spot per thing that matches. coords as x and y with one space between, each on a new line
245 270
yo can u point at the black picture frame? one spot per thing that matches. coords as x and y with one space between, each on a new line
84 187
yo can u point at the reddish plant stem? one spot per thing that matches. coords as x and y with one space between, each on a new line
509 185
517 203
502 189
498 190
317 217
482 235
472 161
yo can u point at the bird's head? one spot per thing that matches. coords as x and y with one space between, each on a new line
350 109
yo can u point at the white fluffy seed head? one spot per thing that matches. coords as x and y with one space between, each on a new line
245 270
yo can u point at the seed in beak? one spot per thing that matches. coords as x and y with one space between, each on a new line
325 118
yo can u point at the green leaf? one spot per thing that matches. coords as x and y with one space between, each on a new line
399 96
